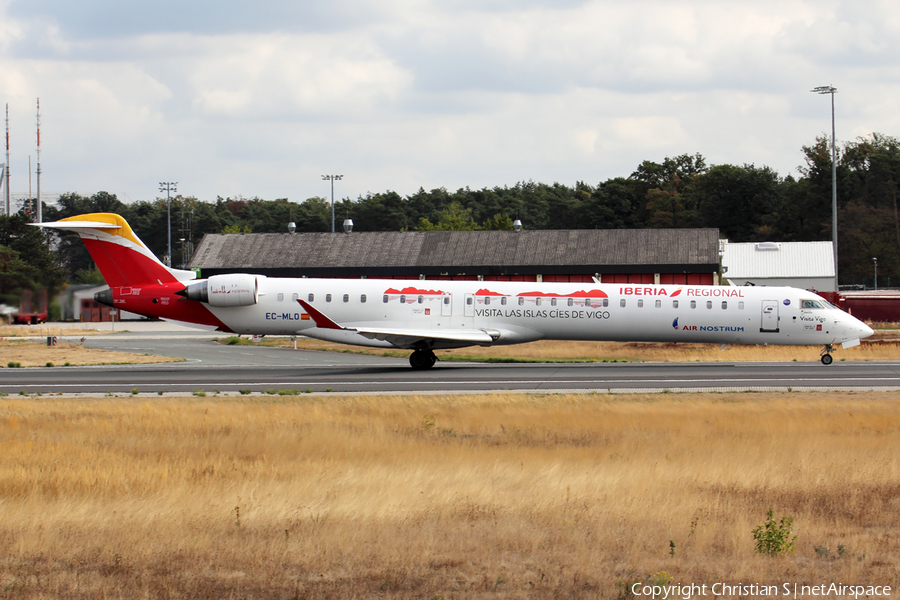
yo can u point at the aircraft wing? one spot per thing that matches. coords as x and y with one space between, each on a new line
401 337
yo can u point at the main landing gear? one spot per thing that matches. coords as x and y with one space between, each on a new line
422 359
826 354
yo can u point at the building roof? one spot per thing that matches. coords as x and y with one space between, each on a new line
778 260
431 252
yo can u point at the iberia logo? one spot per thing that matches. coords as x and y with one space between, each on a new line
675 293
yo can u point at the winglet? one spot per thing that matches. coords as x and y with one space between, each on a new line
321 320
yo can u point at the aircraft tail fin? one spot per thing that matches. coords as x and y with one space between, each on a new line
123 259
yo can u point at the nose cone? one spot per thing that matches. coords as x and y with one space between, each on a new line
864 330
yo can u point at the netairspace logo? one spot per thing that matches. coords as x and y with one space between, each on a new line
789 590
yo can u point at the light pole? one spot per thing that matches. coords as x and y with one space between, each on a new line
828 89
875 260
332 178
168 187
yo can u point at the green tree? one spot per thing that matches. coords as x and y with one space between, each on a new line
28 262
869 220
498 222
743 202
611 205
453 218
667 189
15 276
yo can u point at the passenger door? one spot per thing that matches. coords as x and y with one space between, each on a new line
446 305
769 322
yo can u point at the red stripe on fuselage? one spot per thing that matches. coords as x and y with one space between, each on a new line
160 301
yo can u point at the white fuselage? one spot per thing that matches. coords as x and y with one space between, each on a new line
516 312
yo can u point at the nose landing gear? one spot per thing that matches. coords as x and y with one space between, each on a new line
422 359
826 354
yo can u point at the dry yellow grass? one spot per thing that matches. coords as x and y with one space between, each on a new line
46 329
503 496
35 354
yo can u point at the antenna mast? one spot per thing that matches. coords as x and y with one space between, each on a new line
7 159
39 205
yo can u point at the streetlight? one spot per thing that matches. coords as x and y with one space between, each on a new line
828 89
875 260
168 187
332 179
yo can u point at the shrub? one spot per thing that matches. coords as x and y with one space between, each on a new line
774 537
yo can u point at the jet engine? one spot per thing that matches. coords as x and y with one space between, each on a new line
238 289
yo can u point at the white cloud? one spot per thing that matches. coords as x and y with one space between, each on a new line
262 98
293 76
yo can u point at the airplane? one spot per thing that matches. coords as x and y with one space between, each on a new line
424 316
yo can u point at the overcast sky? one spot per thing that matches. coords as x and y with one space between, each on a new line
262 98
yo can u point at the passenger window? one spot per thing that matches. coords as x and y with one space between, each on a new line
521 301
311 297
605 302
571 302
693 304
294 297
741 305
421 299
552 301
724 304
659 304
622 302
641 303
674 303
709 304
362 299
469 301
346 297
537 301
503 301
327 297
384 298
403 299
487 300
280 297
447 300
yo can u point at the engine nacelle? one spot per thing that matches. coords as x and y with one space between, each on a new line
237 289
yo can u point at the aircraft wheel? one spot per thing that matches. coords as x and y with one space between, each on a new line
422 359
826 359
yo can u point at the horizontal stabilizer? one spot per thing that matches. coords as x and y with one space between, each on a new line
74 225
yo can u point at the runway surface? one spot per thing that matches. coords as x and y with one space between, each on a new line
211 367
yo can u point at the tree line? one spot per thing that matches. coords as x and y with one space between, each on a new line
746 203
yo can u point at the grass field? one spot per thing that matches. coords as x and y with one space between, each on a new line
490 496
25 353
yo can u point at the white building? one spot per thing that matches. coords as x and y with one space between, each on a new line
805 265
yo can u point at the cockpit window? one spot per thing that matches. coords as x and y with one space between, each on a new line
810 304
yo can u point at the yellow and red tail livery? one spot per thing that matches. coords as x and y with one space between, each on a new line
121 256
